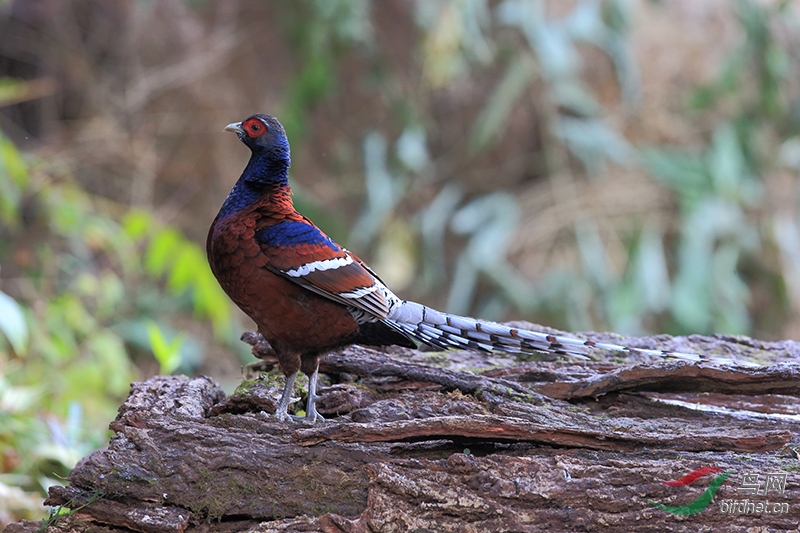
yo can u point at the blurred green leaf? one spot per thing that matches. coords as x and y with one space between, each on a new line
212 302
12 324
12 165
586 22
593 254
137 224
161 251
651 271
726 162
593 141
112 360
731 294
490 221
13 179
412 149
350 19
167 353
573 97
433 226
10 90
554 48
683 172
702 98
15 90
182 269
382 190
16 399
68 207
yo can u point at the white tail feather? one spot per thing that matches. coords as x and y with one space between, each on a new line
445 331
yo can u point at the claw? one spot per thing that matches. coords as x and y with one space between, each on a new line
312 416
285 417
305 420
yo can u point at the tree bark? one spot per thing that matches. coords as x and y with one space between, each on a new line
455 442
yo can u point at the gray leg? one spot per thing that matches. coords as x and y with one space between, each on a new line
282 412
311 410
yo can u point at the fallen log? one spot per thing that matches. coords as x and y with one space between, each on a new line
464 442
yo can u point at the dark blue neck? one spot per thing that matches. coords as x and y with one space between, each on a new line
262 177
267 168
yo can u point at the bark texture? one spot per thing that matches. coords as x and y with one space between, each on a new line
454 442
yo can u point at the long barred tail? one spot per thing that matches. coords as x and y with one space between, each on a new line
446 331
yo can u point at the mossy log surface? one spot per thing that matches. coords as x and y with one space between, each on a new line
455 442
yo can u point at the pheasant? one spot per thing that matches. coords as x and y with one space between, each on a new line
308 295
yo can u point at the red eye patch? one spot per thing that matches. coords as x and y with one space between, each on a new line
254 127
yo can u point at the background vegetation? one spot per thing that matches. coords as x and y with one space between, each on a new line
627 165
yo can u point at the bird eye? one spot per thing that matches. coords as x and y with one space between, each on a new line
254 127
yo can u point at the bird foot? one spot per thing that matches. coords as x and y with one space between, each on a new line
308 419
285 417
300 420
312 417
